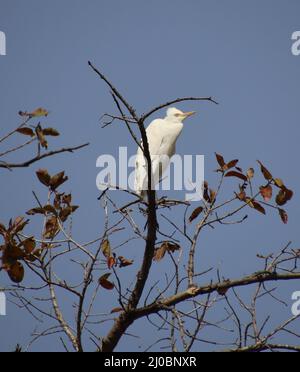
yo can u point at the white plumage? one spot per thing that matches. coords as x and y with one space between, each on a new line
162 136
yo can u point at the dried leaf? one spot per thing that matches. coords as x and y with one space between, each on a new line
159 253
163 249
268 176
266 192
284 216
50 132
220 160
14 252
205 192
105 283
65 213
50 209
124 262
284 196
196 213
41 137
26 131
18 225
67 199
51 228
58 180
111 262
106 249
44 177
279 183
16 272
35 211
29 245
255 205
237 175
231 164
40 112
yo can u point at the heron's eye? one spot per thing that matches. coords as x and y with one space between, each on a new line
177 115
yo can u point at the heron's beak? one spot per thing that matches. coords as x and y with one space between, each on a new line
188 114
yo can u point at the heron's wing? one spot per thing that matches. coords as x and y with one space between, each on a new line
155 139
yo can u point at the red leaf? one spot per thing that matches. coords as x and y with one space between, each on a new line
266 192
111 261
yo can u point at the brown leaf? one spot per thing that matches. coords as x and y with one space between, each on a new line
16 272
163 249
124 262
255 205
17 225
284 216
44 177
220 160
205 192
268 176
50 132
65 213
105 283
26 131
51 228
29 245
67 199
50 209
58 180
231 164
41 137
14 252
266 192
106 249
159 253
196 213
284 196
237 175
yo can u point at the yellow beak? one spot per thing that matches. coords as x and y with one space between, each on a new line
188 114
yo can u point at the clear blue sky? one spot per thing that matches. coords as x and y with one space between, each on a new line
237 51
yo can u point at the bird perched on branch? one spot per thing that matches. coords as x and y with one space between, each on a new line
162 136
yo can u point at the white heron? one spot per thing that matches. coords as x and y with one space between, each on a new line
162 136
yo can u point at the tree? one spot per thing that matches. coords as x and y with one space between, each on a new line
183 303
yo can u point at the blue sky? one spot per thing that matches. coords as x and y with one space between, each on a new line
238 52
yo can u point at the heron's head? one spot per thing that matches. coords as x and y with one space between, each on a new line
178 116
